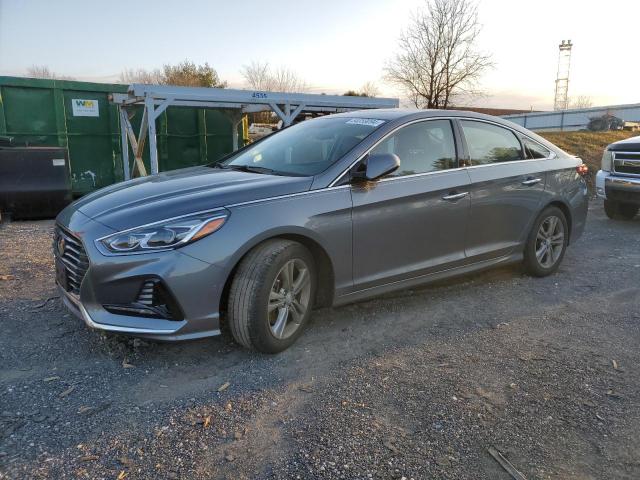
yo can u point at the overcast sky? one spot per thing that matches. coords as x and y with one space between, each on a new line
335 45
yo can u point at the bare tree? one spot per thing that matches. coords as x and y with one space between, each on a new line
189 74
286 80
438 59
581 101
186 74
43 71
140 75
260 76
256 75
39 71
370 89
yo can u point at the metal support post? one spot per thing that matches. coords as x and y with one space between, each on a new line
137 144
156 98
151 125
124 144
236 120
287 116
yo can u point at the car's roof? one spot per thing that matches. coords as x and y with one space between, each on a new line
380 113
396 113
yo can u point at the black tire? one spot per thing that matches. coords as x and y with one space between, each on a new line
532 264
249 294
611 209
620 211
628 210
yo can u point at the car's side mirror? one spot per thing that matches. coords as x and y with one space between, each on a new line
377 166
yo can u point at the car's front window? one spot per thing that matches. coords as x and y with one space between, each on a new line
422 147
306 149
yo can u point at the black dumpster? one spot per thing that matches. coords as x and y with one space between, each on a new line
34 181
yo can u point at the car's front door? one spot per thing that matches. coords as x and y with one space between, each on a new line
413 221
506 189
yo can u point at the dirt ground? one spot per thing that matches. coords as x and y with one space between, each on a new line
417 384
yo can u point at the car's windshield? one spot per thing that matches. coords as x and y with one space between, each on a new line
306 149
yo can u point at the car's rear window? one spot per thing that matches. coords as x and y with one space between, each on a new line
488 143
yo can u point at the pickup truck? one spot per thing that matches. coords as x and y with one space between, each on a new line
618 182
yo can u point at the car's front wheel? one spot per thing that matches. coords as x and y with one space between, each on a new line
620 211
271 295
547 243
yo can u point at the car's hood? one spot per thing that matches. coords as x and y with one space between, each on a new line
180 192
630 144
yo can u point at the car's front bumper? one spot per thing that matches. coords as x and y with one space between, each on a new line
618 187
73 303
196 287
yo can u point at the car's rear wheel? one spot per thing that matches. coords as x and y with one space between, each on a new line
547 243
620 211
271 296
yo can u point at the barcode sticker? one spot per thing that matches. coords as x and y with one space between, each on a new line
372 122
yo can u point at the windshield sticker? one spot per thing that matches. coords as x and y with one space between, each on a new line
372 122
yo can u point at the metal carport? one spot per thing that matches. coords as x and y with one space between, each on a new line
156 99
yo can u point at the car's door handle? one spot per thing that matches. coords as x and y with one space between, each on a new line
531 181
452 197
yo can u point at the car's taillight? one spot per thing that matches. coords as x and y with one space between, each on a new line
582 169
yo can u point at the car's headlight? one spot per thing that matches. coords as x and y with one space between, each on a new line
607 161
163 235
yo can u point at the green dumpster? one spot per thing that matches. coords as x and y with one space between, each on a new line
79 117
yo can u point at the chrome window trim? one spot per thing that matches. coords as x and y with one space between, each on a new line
464 168
514 131
496 164
423 174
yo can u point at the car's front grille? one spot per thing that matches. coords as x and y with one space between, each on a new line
626 163
68 249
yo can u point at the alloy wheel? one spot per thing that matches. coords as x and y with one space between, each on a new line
289 298
550 241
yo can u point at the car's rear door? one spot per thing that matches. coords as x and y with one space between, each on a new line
413 221
506 189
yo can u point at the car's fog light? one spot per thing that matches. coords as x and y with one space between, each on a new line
153 300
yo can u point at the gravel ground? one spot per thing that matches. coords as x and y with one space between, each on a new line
417 384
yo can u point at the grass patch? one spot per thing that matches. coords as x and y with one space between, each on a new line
589 146
586 145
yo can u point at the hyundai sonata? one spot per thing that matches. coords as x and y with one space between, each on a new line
325 212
